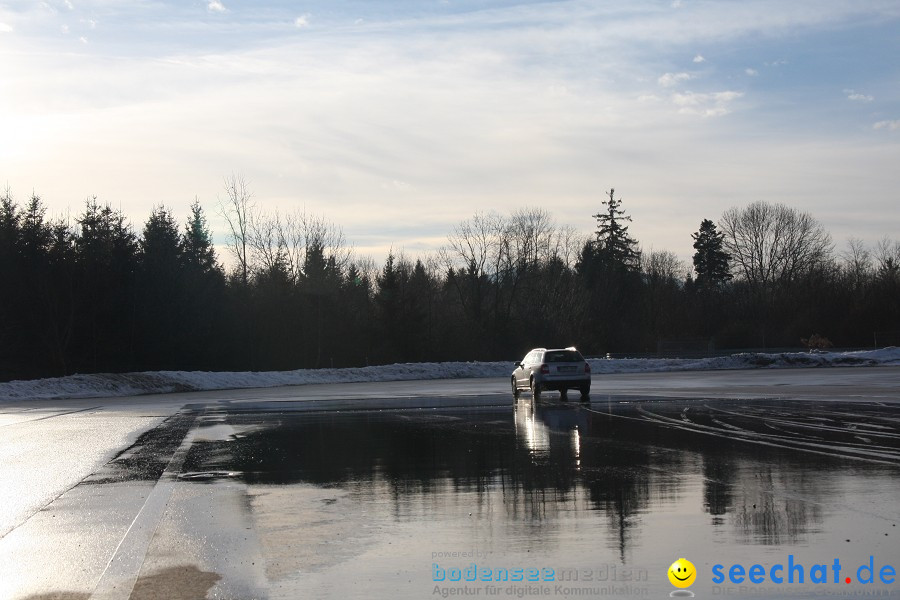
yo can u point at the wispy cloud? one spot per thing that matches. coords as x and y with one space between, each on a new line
858 97
673 79
751 72
468 107
4 28
715 104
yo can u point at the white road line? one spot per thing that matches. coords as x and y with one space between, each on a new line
121 573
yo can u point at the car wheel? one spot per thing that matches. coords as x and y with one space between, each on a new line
515 388
585 393
563 395
535 388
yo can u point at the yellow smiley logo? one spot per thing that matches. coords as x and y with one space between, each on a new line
682 573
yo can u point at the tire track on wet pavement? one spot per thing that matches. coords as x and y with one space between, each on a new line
54 415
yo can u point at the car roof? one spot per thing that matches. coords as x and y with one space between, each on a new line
553 349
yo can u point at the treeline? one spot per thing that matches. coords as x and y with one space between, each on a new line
94 295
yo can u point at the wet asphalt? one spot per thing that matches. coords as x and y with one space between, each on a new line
383 492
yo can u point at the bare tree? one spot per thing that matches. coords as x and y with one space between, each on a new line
266 238
502 248
887 254
773 244
289 242
367 268
529 234
663 273
664 266
567 243
512 267
857 261
475 244
237 209
317 232
476 248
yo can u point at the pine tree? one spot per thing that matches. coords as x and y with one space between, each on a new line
106 250
320 284
197 250
203 292
356 324
61 300
710 260
161 254
9 220
389 309
36 236
160 288
9 238
609 268
35 231
614 247
12 329
388 290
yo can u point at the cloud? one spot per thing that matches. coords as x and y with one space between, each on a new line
397 185
673 79
857 97
889 125
4 28
69 5
751 72
715 104
64 29
464 107
83 40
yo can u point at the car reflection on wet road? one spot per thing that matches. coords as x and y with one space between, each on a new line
283 502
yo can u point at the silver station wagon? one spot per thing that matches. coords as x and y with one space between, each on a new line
559 369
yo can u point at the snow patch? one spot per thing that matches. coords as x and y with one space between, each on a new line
105 385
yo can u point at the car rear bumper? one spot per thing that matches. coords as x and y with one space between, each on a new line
565 384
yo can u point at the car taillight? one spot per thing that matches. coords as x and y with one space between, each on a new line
545 369
587 368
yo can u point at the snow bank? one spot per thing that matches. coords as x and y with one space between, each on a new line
159 382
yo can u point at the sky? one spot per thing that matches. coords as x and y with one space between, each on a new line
397 120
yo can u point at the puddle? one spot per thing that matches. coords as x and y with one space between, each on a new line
626 485
208 475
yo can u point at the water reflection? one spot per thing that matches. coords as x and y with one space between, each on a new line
536 424
768 513
618 461
718 478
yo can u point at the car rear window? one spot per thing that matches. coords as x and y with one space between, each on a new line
554 356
